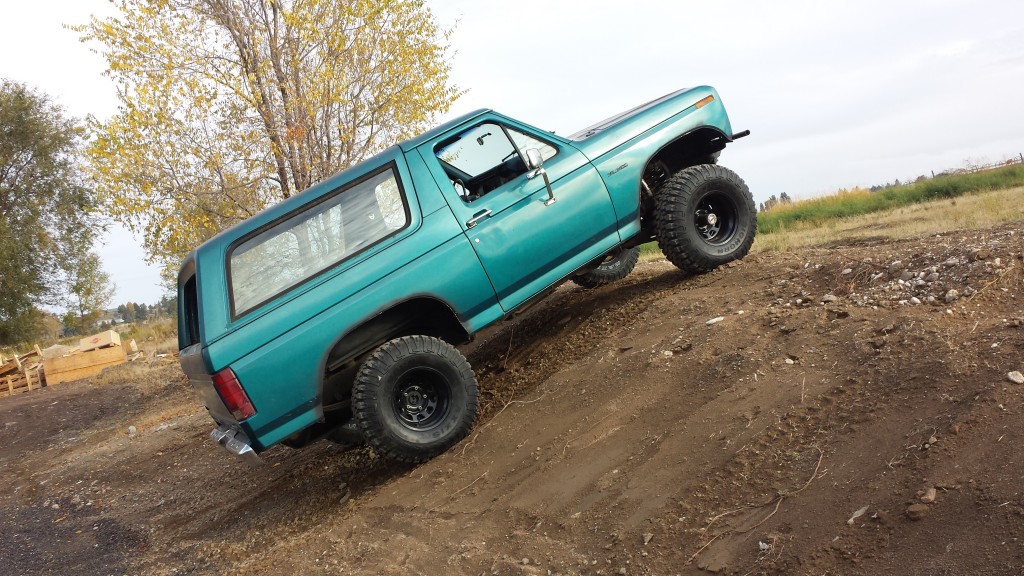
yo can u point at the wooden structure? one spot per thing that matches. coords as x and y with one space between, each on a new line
83 364
58 364
21 373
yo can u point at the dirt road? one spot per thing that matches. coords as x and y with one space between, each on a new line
837 411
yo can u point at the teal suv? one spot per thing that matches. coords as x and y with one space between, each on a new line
336 313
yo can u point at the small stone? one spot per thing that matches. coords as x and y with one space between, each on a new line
829 298
526 561
915 300
647 538
860 512
1016 377
847 271
715 320
132 430
951 296
906 275
895 266
933 277
917 511
951 262
790 361
929 496
622 571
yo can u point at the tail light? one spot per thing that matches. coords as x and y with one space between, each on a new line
235 398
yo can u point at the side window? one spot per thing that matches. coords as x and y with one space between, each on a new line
524 142
485 157
317 238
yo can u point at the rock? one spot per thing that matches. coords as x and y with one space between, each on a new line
829 298
715 320
526 561
1016 377
917 511
906 275
790 361
915 300
933 277
951 262
929 496
951 296
132 430
895 266
980 254
647 538
847 271
860 512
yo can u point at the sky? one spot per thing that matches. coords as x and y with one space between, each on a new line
836 94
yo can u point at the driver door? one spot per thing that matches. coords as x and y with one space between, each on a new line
525 242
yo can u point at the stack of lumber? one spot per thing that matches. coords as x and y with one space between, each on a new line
22 373
93 354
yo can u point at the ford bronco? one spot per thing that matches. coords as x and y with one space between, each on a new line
336 312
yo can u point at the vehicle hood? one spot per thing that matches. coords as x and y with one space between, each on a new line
607 134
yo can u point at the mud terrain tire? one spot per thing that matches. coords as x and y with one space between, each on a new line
615 267
414 398
704 217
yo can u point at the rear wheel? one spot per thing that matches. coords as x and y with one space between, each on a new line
615 267
414 398
704 217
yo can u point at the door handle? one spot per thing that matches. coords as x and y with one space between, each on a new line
477 218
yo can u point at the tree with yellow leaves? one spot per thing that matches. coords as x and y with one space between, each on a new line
227 106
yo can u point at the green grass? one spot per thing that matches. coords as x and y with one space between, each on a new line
858 202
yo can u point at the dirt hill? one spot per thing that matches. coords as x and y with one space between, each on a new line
848 410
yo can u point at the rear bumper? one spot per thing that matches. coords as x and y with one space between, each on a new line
235 442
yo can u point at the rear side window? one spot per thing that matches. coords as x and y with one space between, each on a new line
307 243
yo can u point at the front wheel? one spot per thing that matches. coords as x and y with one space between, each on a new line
414 398
704 217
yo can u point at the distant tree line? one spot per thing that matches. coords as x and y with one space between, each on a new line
770 203
132 312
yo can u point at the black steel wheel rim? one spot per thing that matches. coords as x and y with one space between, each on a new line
422 399
715 217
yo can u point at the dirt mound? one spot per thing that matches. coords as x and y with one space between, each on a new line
837 411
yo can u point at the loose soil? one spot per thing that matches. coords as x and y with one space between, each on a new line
817 412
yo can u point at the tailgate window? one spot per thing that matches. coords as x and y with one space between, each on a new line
189 313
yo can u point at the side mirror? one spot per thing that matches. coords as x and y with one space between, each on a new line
533 159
